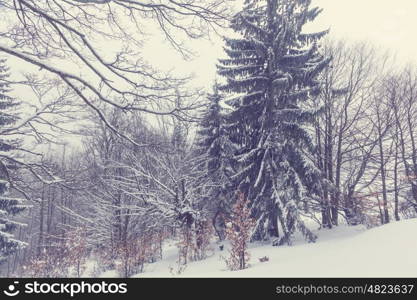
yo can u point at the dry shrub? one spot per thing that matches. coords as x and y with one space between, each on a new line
136 251
238 232
64 258
194 243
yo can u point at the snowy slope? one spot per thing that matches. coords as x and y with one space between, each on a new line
386 251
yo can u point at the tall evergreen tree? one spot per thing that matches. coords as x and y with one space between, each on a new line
273 71
212 138
216 151
9 206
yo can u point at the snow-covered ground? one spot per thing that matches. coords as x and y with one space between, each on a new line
386 251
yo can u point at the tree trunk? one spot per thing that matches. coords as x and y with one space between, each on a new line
382 169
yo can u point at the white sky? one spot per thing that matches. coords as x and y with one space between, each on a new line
389 25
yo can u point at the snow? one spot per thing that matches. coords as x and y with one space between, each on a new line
344 251
386 251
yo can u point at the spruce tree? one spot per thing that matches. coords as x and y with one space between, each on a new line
9 206
272 75
216 151
212 138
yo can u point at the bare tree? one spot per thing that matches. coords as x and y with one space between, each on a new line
402 92
76 30
344 134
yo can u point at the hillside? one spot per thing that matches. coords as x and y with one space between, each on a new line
386 251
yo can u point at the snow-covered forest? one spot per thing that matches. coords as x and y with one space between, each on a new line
282 164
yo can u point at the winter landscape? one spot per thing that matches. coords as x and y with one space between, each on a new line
208 138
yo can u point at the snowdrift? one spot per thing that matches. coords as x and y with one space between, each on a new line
386 251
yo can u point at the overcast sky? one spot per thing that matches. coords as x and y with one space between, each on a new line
389 25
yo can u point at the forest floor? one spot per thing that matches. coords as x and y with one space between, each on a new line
385 251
